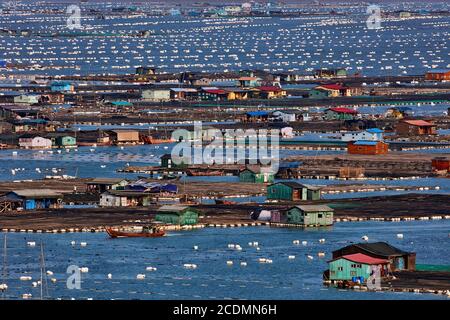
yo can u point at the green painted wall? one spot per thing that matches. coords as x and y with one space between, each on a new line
66 141
296 216
343 269
186 217
279 192
250 177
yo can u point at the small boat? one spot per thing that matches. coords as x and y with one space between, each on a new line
146 233
207 173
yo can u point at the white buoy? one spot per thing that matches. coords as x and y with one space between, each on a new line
26 296
84 269
140 276
322 240
310 257
31 244
195 247
321 254
304 243
50 273
25 278
296 242
3 287
243 264
109 276
151 269
53 280
229 263
365 238
400 235
73 243
34 284
190 266
291 257
83 244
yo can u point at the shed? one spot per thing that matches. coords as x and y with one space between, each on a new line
257 116
256 174
124 136
29 141
438 75
293 191
367 147
310 215
356 266
156 95
167 162
441 164
100 185
66 142
176 214
340 113
37 198
415 128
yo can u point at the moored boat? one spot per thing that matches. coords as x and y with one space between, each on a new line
145 233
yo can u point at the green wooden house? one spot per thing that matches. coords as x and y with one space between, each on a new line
66 142
256 175
356 266
166 162
176 214
310 215
293 191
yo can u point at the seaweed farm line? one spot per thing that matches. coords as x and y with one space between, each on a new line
166 276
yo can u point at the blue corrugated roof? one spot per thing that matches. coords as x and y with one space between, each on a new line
375 130
365 143
257 113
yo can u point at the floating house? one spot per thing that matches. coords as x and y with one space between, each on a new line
340 113
367 147
293 191
271 92
331 73
415 128
319 93
176 214
100 185
310 215
373 134
62 87
441 164
355 267
249 82
257 116
166 162
256 174
119 137
189 94
398 259
156 95
27 99
125 198
334 90
145 71
438 75
32 199
65 142
284 116
30 141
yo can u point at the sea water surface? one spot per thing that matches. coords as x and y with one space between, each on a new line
299 278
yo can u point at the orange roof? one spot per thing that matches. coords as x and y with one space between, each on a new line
419 123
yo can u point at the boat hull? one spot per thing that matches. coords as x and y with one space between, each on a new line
118 234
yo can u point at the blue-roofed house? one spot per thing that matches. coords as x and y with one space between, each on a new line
373 134
257 116
62 86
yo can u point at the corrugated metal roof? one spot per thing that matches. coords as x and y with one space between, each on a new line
172 208
314 208
381 249
420 123
362 258
29 193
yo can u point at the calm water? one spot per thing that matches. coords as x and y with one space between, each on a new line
301 44
213 279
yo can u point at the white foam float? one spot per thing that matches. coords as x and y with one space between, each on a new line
243 264
304 243
322 240
190 266
140 276
25 278
84 269
365 238
309 257
73 243
83 244
400 235
50 273
195 247
151 269
31 243
291 257
27 296
321 254
229 263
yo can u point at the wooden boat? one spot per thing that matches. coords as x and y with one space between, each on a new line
206 173
150 140
226 202
144 234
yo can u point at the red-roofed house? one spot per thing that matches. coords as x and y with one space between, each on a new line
438 75
271 92
340 113
415 128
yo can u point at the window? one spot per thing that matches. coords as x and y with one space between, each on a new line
320 215
340 268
